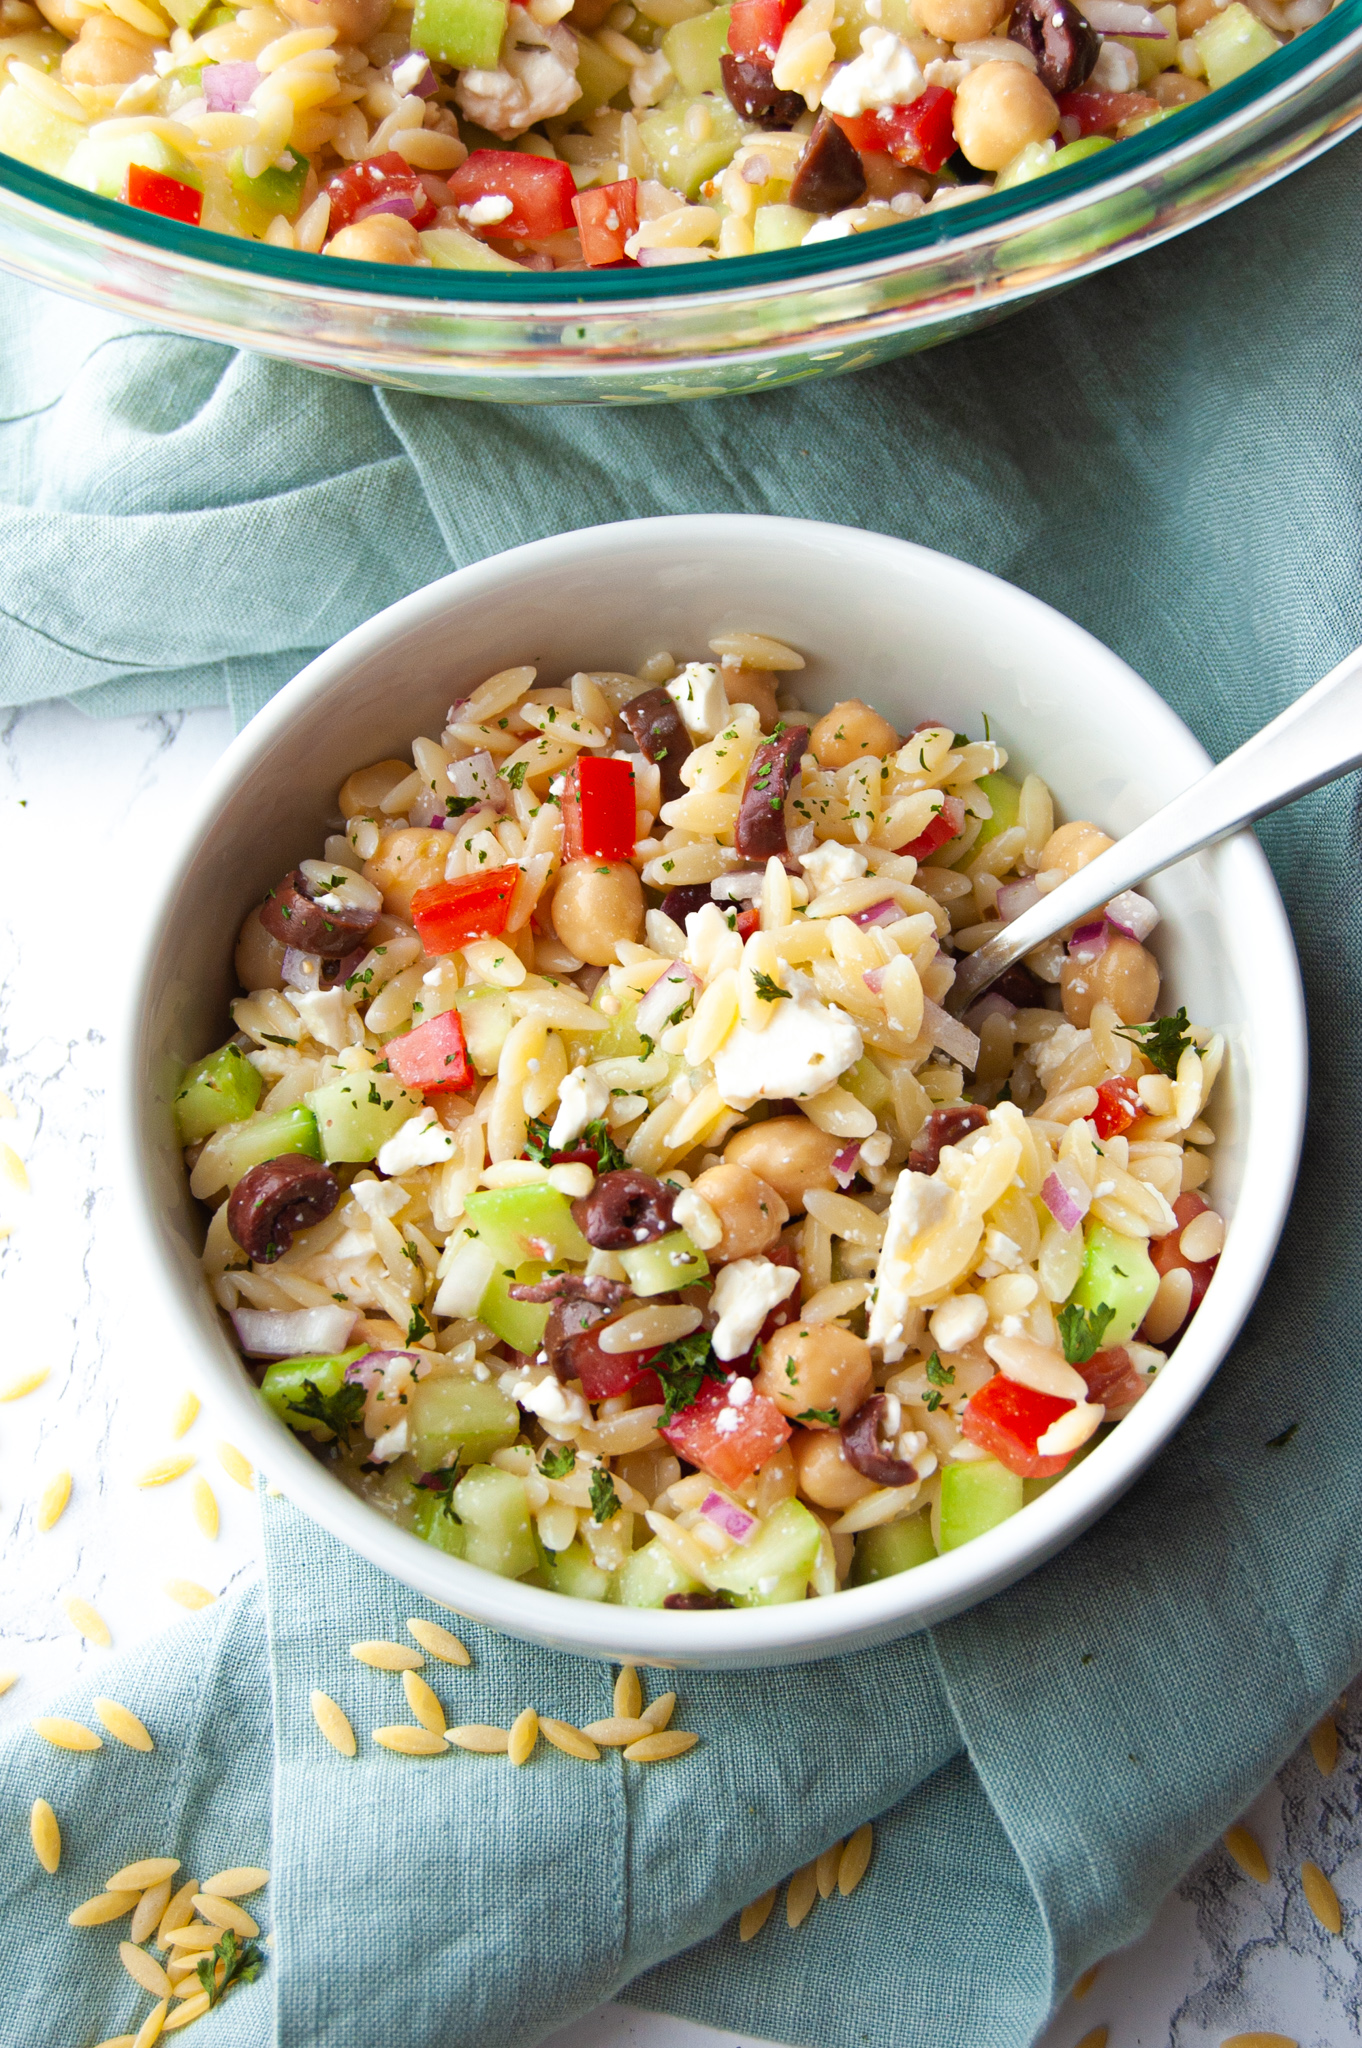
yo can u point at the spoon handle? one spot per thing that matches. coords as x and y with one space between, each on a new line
1314 741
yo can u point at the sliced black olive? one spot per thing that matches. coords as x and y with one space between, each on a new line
753 92
864 1449
830 174
761 813
943 1127
625 1208
289 914
1063 42
660 735
278 1198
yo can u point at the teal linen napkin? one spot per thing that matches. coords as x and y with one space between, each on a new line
1171 453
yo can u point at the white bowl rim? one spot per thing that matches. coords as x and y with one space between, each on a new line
813 1628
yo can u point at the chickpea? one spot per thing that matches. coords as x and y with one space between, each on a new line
411 859
259 956
816 1365
353 20
595 905
999 108
961 21
1124 974
107 53
382 238
65 16
849 732
790 1154
366 788
1194 14
752 686
827 1476
1073 846
749 1209
1172 89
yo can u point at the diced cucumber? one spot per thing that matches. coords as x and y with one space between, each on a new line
676 159
1031 161
285 1383
897 1547
188 13
852 16
1232 43
470 1417
431 1522
599 75
495 1514
668 1262
237 1147
487 1017
649 1575
1076 152
773 1566
102 162
533 1222
518 1323
1151 53
975 1497
273 192
1117 1273
36 133
617 1040
1005 796
359 1113
461 32
866 1082
572 1571
452 249
693 48
218 1090
780 227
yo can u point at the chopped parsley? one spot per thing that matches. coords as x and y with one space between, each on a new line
605 1502
768 990
337 1412
515 774
1081 1330
558 1460
272 1039
242 1963
1163 1042
827 1415
595 1138
442 1484
683 1366
418 1326
939 1375
455 806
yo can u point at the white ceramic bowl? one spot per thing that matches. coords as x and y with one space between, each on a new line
916 633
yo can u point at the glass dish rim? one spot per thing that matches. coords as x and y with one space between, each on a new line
1181 132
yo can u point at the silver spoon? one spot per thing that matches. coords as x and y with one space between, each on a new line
1315 740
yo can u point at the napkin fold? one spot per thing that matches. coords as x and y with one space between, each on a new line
1171 453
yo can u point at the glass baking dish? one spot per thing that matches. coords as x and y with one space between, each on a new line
637 336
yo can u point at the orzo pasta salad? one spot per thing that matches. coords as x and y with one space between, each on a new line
570 134
600 1187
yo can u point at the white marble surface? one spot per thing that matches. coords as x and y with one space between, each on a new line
85 810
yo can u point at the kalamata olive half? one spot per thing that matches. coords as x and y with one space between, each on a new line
690 1603
865 1450
943 1127
289 914
761 812
660 735
1063 42
624 1208
752 92
278 1198
830 174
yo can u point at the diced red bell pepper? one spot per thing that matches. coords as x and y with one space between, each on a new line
384 183
1102 113
155 192
606 216
1167 1256
731 1454
948 824
1118 1105
604 1374
598 810
433 1057
1114 1380
749 921
540 188
755 27
920 134
1007 1420
449 914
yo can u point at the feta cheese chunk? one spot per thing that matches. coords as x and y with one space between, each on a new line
421 1141
693 1214
325 1017
1116 70
391 1444
885 74
959 1321
831 863
698 695
535 79
582 1097
744 1294
551 1401
917 1205
408 74
804 1049
484 212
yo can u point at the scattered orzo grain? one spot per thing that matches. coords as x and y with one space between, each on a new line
628 1695
659 1714
189 1593
135 1877
410 1741
523 1736
387 1656
52 1500
13 1168
237 1466
438 1642
1096 2039
480 1738
86 1621
177 1914
146 1914
193 1938
7 1679
45 1835
103 1907
1083 1985
225 1913
205 1509
829 1863
570 1740
184 2015
149 2033
1259 2041
120 2041
334 1724
123 1725
237 1883
424 1703
63 1734
1247 1853
144 1969
185 1413
166 1469
661 1747
753 1918
1321 1898
800 1894
614 1732
855 1859
1324 1744
27 1383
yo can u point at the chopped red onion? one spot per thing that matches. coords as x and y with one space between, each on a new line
1089 940
228 87
477 777
413 74
955 1039
1015 897
734 1521
873 977
366 1372
293 1333
429 809
799 839
302 971
1132 914
403 204
671 992
989 1005
1124 18
844 1164
1066 1195
887 912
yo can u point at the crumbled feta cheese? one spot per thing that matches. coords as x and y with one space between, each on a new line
917 1205
535 78
831 863
390 1445
886 74
408 74
875 1149
739 1392
699 696
550 1401
804 1049
582 1097
958 1321
1104 1187
1069 1430
1000 1248
340 888
573 1180
325 1016
380 1197
1116 70
1049 1056
727 1421
485 212
744 1294
421 1141
693 1214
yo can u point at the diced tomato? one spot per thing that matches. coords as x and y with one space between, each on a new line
155 192
598 810
1118 1105
606 216
604 1374
1007 1420
1114 1380
731 1454
749 921
756 27
387 183
448 914
948 824
540 189
1101 113
433 1057
1167 1256
920 134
